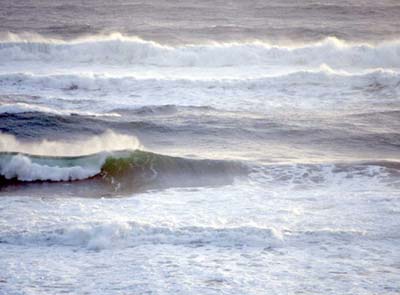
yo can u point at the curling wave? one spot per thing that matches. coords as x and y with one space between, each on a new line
118 171
117 49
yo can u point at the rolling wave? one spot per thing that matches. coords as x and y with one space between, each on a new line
117 49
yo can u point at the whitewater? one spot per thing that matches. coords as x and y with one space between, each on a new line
199 147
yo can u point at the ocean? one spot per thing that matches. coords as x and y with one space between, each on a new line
199 147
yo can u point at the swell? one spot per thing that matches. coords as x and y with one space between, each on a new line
117 49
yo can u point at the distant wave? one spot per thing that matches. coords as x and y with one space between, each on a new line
117 49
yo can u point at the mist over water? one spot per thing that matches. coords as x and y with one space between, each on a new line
182 147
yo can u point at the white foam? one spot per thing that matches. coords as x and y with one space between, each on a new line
21 167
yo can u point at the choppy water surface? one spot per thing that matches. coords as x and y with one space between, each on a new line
199 148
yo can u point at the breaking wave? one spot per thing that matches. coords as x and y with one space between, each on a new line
118 49
108 169
107 165
131 171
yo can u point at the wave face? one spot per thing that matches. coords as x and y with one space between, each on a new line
117 49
